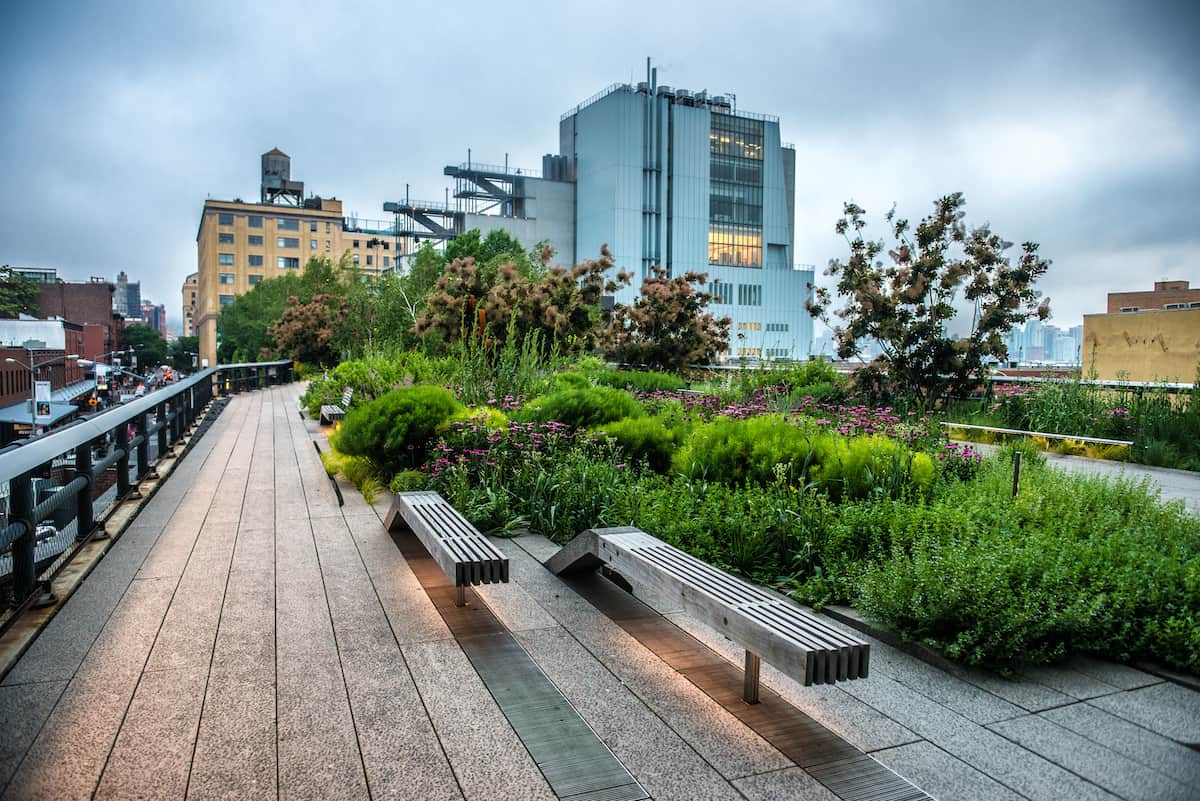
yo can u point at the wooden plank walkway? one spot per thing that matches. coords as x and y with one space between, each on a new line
249 638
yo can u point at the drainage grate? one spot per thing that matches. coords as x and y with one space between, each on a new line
577 764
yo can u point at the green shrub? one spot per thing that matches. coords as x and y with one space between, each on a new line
582 408
736 451
394 431
922 471
638 380
645 439
369 377
408 481
570 380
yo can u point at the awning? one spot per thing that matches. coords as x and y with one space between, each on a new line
72 391
19 413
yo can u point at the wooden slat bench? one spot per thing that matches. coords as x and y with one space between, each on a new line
802 645
332 412
463 554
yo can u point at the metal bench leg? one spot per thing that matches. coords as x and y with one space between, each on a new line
750 682
460 595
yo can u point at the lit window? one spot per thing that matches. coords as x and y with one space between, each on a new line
225 259
354 258
224 239
255 260
253 279
287 263
254 221
225 218
254 240
226 278
287 242
285 224
226 299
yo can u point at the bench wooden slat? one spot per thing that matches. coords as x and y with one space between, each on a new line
460 550
804 646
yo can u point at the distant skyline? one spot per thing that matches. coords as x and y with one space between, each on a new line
1070 124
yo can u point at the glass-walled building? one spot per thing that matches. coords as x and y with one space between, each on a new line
669 177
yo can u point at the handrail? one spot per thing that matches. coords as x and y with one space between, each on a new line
174 408
1074 437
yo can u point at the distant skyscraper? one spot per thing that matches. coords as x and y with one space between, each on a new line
127 299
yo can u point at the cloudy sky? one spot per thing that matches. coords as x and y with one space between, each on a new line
1076 125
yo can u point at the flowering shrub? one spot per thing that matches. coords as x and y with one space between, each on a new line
959 461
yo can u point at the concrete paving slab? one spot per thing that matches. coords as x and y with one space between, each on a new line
152 755
489 760
1117 774
537 546
1070 682
788 783
656 756
235 745
1168 709
254 551
245 640
942 775
23 710
186 637
1030 696
854 721
1131 740
1002 760
725 742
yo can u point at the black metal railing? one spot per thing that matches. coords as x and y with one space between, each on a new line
59 476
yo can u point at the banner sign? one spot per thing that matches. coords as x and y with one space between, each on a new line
41 398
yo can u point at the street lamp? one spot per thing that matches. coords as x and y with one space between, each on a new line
33 368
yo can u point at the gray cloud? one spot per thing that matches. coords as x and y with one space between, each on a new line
1072 125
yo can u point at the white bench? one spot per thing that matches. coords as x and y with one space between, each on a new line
463 554
802 645
332 412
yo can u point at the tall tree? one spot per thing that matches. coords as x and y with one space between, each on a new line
147 344
18 295
181 352
905 305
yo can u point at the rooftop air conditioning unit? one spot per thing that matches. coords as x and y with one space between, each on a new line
643 87
666 91
684 96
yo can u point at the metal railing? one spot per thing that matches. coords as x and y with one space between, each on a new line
119 440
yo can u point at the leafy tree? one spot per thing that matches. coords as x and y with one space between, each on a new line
148 344
401 299
306 331
667 327
905 305
18 295
242 326
497 248
181 351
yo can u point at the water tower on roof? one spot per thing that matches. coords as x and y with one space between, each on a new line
277 183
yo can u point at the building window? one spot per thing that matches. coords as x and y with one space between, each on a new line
312 244
255 260
287 263
370 260
225 259
224 239
385 245
355 243
387 261
253 279
284 224
312 226
354 258
254 240
722 293
226 278
226 299
750 295
287 242
225 218
327 246
777 326
735 203
328 227
749 326
254 221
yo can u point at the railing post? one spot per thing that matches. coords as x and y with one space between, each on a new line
85 515
161 414
143 448
122 433
20 500
750 679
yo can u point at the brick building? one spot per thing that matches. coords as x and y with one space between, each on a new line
56 339
90 305
1165 295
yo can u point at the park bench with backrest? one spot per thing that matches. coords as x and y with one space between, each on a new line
464 554
797 642
332 412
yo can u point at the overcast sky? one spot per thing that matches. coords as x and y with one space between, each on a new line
1076 125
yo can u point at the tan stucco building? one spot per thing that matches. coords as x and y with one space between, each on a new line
1147 336
239 244
191 289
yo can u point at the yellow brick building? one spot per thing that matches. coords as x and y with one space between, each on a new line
239 244
191 289
1152 345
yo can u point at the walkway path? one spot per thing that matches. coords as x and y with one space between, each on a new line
248 638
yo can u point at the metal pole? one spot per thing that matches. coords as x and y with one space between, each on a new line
20 499
143 448
161 413
123 463
85 515
1016 472
32 396
750 680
